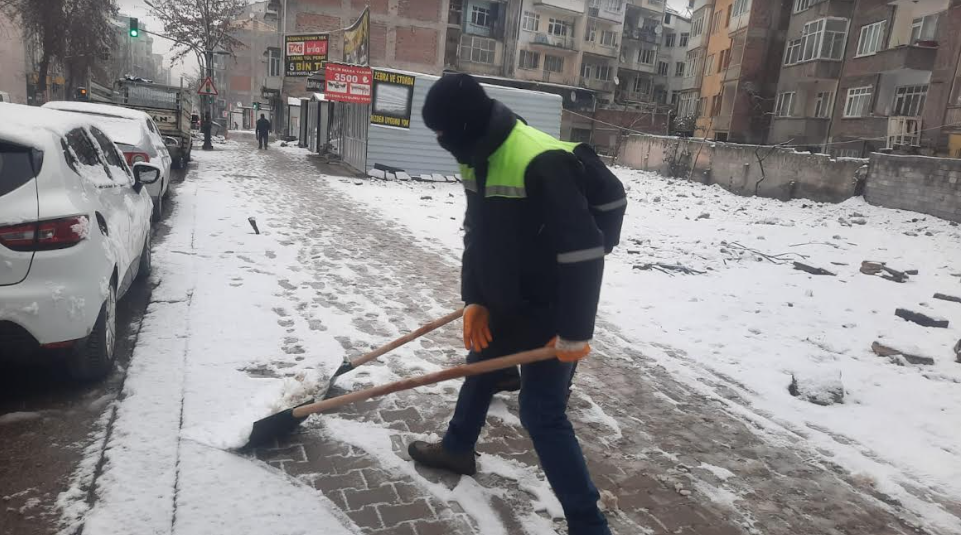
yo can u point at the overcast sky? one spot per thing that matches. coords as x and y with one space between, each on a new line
137 8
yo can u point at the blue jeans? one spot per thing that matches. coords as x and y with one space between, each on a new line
543 406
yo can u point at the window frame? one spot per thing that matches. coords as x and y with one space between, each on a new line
663 66
784 104
554 24
485 12
613 38
684 39
679 68
740 7
529 54
878 38
645 51
816 36
824 104
530 16
864 92
555 59
670 38
915 99
481 51
275 62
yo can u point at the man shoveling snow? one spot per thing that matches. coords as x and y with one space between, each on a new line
532 268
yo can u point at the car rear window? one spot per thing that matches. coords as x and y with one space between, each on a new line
126 131
18 165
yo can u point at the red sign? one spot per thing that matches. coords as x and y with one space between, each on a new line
207 87
348 83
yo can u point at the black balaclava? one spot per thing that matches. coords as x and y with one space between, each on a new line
458 108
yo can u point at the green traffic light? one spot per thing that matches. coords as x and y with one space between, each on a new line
134 33
134 27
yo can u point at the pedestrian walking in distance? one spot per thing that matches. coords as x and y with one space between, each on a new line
541 214
263 129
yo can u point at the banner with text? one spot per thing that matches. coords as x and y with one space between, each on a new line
393 99
357 41
348 83
305 54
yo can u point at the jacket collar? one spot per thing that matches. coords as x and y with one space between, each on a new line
501 123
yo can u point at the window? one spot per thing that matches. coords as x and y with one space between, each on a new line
477 49
529 60
709 66
274 62
586 70
716 25
667 18
591 34
872 38
614 5
609 38
909 100
480 16
115 162
693 61
646 56
685 37
784 107
642 85
820 39
697 25
674 100
531 21
663 67
716 105
924 29
859 102
823 104
727 21
741 7
679 68
669 39
801 5
553 63
724 60
83 149
455 11
558 27
603 72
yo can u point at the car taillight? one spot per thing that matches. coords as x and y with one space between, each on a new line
136 157
45 235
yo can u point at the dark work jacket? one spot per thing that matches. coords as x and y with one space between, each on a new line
512 245
263 127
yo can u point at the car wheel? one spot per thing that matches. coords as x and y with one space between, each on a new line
158 205
146 259
93 357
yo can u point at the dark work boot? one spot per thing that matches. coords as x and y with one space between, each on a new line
435 456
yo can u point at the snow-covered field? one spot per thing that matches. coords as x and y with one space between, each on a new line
744 321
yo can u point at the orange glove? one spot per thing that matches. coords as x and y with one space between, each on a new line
477 331
569 351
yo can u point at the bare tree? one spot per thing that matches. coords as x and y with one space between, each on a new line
198 26
70 31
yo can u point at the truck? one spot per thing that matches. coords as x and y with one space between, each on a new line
170 107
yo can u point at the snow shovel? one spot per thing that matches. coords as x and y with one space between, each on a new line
284 422
349 365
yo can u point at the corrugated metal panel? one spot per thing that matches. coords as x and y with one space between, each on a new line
416 150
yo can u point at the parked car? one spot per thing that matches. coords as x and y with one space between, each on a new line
74 235
137 136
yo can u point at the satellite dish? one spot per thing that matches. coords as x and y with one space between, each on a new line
573 96
658 29
617 81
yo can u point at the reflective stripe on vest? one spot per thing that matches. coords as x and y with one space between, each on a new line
507 166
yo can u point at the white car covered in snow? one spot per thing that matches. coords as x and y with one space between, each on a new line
137 136
74 234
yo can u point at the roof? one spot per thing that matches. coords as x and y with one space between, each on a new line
100 109
21 123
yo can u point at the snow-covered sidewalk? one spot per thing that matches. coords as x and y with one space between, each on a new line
683 408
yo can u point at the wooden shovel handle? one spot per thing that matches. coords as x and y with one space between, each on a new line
464 370
407 338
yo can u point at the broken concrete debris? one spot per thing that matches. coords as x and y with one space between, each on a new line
899 357
921 319
821 390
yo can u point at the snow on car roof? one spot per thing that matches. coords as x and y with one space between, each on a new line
93 108
21 124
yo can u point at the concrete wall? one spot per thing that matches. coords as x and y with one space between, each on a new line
917 183
788 174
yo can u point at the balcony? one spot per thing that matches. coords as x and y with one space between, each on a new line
273 83
691 82
643 35
600 50
901 58
721 122
903 131
604 86
602 14
564 6
814 70
555 42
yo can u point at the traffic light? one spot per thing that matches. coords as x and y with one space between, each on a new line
134 27
81 93
256 106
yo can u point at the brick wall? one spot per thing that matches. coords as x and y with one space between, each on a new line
784 174
917 183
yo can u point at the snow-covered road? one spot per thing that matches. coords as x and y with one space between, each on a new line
686 391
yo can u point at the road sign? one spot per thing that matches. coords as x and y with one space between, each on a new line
207 88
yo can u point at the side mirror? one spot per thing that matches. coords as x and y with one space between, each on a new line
171 141
144 173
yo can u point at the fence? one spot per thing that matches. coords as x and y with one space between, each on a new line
917 183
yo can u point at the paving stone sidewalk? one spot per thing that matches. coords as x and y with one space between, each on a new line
663 467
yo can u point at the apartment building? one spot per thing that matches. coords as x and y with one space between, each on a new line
482 36
672 56
745 44
689 106
637 65
255 73
898 83
811 68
